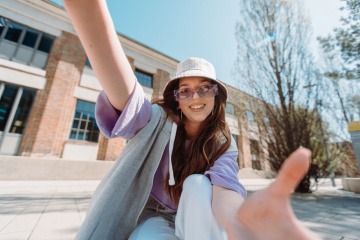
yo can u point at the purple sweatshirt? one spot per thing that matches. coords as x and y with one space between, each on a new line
137 113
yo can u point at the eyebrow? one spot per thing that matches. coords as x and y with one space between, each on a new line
201 81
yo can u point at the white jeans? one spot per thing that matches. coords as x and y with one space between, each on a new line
194 219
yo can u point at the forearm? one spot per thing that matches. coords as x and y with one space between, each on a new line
225 204
94 26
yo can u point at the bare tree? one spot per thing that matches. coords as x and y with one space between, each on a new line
341 61
341 70
344 106
345 41
275 65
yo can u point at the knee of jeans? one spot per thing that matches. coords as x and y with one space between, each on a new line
197 183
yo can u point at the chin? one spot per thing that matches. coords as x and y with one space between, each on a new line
198 119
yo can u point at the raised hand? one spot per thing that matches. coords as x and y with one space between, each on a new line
267 214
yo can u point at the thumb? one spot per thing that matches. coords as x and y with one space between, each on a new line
292 171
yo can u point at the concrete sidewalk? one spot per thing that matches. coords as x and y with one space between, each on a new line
55 209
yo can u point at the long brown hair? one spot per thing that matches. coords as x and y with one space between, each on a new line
214 139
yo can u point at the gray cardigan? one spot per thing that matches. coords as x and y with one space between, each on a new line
121 196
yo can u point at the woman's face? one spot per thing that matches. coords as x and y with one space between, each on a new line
197 109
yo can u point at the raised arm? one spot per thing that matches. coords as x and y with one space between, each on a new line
95 28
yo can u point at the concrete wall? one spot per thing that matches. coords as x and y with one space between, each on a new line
30 168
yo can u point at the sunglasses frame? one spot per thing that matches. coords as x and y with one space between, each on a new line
213 86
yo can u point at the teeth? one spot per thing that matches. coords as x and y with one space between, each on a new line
197 106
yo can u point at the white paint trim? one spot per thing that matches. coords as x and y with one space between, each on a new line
148 92
231 120
21 67
39 15
148 56
253 136
89 80
151 61
145 67
78 151
234 130
22 75
11 143
85 94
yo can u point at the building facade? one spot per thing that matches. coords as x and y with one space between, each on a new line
354 130
48 89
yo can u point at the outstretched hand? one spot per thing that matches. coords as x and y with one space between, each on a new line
267 214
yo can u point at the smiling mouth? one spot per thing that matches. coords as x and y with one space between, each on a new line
197 107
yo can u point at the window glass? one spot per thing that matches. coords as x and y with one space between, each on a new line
3 22
73 134
75 124
87 63
14 31
23 111
230 108
255 153
46 43
254 148
6 103
266 120
235 138
34 48
7 50
23 55
250 116
145 79
30 38
39 60
84 126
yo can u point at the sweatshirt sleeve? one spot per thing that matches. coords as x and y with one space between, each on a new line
224 171
125 124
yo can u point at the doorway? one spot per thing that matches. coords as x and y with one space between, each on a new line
15 106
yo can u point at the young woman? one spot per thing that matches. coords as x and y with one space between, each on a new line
177 176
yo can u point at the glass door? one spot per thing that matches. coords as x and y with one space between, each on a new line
15 106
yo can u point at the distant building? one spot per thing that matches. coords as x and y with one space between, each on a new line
354 130
48 89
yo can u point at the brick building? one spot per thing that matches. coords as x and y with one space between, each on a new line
48 89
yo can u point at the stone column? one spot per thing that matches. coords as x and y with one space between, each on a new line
160 79
50 120
110 148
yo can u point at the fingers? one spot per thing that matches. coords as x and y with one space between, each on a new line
292 171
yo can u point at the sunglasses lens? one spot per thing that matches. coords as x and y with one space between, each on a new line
208 91
186 94
204 92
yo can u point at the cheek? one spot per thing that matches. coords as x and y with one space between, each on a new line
181 105
212 103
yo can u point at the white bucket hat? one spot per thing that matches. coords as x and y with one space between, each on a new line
196 67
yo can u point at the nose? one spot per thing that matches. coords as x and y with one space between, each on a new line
195 94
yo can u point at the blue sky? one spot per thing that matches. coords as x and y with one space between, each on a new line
200 28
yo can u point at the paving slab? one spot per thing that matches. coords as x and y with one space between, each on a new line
52 210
